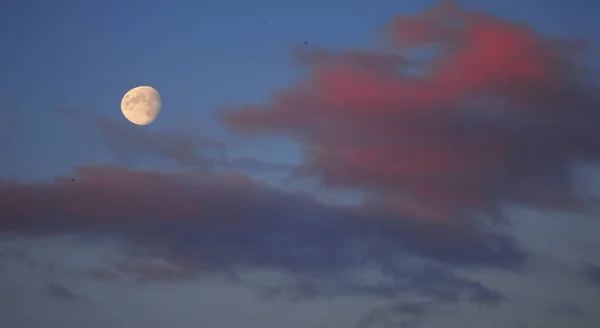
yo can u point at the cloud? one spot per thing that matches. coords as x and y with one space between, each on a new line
497 116
185 149
437 283
58 291
130 144
592 274
179 225
395 315
144 270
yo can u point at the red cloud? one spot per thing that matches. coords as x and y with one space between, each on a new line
498 116
110 193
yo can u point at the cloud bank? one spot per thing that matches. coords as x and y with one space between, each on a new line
228 221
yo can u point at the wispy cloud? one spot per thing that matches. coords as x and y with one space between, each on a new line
185 149
60 292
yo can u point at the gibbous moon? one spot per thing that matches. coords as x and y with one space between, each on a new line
141 105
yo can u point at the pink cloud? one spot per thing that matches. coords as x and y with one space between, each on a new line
497 117
111 193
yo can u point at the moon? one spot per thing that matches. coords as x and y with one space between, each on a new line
141 105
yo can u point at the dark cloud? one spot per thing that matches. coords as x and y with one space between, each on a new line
497 116
201 222
592 273
395 315
60 292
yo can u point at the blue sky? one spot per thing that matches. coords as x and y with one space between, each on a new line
64 68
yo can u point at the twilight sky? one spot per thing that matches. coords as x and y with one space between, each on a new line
316 164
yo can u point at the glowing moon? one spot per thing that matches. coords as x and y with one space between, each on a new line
141 105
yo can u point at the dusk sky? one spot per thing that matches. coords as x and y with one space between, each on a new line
326 164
